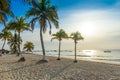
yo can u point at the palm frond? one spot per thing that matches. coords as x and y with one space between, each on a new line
61 34
32 22
76 36
28 46
45 13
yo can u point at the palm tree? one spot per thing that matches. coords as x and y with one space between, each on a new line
59 36
28 46
76 36
14 43
5 10
45 14
5 35
18 26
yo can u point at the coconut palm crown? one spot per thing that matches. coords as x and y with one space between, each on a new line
61 34
46 15
28 46
76 36
18 25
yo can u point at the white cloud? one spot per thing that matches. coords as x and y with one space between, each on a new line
104 21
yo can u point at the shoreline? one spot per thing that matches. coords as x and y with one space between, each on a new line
65 69
87 59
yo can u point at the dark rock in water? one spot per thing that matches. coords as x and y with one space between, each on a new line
22 59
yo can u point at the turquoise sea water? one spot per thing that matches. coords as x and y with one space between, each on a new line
108 56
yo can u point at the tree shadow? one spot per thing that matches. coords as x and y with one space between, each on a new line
60 71
31 65
38 63
42 62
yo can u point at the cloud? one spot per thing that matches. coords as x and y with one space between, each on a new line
104 21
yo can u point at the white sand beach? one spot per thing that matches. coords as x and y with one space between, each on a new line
65 69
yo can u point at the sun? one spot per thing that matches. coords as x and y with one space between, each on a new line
87 29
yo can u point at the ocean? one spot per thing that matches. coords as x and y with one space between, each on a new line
106 56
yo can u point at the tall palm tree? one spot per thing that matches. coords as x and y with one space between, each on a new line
19 25
59 36
76 37
5 35
46 15
28 46
5 10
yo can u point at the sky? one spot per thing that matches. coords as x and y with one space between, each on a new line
98 21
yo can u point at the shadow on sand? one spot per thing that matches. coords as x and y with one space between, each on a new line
42 62
53 75
31 65
60 71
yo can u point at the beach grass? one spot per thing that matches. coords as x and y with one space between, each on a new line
65 69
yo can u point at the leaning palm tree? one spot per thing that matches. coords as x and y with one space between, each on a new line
5 10
5 36
45 14
59 36
76 36
19 25
28 46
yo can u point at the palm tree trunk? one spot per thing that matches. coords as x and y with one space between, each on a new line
16 47
75 52
19 44
42 43
59 50
3 46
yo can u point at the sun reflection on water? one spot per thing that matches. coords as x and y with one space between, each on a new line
89 52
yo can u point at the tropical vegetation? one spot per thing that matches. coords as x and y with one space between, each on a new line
5 36
5 10
14 42
28 46
42 13
76 36
18 26
59 36
45 15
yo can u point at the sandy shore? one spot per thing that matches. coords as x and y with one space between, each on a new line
65 69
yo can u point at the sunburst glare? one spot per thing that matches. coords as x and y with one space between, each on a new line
87 29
